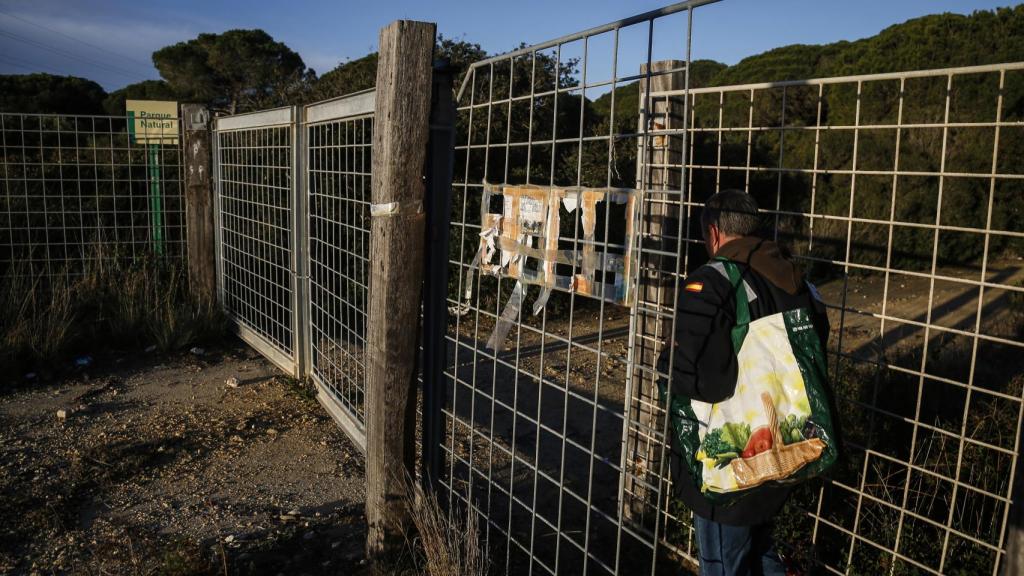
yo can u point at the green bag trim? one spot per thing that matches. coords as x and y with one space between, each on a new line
739 331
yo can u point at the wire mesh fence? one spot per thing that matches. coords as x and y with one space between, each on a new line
293 196
338 148
256 226
896 191
581 166
579 180
547 203
79 188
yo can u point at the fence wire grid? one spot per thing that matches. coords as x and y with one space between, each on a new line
76 189
338 151
896 193
544 410
257 222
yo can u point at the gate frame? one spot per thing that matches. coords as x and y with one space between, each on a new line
293 364
350 106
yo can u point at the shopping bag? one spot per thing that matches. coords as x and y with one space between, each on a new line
777 425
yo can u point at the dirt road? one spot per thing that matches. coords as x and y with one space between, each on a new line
154 465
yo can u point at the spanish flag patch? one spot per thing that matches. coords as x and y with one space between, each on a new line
695 287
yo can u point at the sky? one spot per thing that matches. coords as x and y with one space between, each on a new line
110 41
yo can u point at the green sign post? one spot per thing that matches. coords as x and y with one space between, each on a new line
153 123
156 207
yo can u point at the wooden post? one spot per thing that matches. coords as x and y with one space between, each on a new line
199 202
401 127
658 168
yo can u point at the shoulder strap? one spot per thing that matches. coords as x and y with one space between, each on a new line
739 331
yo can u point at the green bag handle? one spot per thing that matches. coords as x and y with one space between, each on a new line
739 331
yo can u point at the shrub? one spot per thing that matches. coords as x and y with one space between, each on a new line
114 303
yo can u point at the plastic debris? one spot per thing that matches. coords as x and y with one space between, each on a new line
62 414
83 361
197 351
150 348
232 382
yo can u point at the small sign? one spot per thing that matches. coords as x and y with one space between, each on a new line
152 121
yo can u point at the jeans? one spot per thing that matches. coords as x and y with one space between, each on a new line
736 550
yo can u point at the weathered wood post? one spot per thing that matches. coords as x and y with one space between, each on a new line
200 229
658 169
401 127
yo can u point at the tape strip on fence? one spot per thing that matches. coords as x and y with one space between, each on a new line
413 207
531 213
515 302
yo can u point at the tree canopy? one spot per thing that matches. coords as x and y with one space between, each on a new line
236 70
47 94
348 77
145 90
361 73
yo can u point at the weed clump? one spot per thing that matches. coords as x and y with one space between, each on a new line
111 304
444 545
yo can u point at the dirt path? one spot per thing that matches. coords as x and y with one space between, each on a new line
953 305
159 467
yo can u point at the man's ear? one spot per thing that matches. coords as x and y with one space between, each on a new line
714 237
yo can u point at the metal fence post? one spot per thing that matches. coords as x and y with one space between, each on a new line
1014 561
218 224
301 207
300 249
440 160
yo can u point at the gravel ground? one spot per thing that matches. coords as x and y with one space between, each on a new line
154 465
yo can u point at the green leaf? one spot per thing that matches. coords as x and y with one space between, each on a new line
724 459
736 435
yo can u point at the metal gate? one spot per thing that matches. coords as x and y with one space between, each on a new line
259 231
293 193
553 226
337 149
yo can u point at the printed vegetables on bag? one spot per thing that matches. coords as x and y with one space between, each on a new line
736 440
725 443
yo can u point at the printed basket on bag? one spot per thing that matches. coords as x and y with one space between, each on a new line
781 461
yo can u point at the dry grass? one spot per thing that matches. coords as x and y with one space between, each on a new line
448 546
113 303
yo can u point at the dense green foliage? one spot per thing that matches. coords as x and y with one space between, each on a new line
352 76
234 70
145 90
361 74
946 40
937 41
243 70
46 93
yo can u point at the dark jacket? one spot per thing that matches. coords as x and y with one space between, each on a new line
704 366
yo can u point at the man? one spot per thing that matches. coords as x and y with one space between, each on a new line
734 539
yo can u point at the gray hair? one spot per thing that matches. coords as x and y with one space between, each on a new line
733 211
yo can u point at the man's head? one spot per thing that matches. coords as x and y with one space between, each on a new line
728 215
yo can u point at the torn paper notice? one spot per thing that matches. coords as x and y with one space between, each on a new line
525 242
